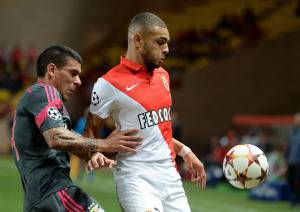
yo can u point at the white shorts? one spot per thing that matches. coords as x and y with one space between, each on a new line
152 187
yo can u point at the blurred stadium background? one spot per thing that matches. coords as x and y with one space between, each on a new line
234 75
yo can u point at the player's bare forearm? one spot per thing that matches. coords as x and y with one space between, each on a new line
94 125
177 145
64 139
192 162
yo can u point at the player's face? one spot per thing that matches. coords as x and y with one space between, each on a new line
67 78
155 47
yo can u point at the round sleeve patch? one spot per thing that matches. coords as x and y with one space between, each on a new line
54 113
95 99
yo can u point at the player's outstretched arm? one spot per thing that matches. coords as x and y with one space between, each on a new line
93 126
66 140
195 166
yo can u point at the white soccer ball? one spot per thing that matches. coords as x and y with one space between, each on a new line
245 166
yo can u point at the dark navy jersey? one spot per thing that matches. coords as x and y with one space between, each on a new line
43 170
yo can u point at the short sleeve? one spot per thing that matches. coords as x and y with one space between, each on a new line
103 99
45 104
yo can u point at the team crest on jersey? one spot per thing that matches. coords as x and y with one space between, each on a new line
95 99
165 82
54 113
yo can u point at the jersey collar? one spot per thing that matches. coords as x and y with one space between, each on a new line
132 65
42 82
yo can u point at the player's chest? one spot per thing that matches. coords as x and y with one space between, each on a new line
151 93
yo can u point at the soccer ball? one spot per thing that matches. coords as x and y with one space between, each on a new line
245 166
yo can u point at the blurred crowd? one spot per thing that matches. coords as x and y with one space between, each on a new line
17 70
17 66
281 145
193 48
229 33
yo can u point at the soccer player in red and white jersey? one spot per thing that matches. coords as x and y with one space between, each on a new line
136 94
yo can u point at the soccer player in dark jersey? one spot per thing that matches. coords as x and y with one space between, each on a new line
41 137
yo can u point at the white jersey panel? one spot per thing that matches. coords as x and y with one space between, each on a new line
124 111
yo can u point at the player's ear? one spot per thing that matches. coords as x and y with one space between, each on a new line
51 69
138 40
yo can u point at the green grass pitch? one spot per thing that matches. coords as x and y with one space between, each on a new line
223 198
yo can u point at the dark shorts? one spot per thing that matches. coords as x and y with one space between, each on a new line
71 199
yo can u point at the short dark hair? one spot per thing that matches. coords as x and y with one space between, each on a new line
145 20
58 55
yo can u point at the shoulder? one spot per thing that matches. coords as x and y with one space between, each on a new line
118 76
102 89
102 82
45 91
162 70
40 94
162 73
33 94
114 73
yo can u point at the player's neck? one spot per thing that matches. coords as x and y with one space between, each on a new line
44 80
130 55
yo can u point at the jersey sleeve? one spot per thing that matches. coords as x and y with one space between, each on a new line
103 99
46 106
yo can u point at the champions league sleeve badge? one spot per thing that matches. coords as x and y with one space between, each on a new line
95 99
54 114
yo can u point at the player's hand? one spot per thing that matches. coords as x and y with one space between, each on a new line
98 161
122 141
196 168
